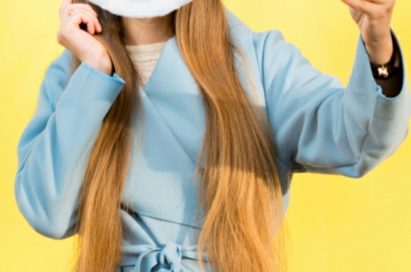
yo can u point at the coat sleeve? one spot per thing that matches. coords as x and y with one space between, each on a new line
319 124
53 148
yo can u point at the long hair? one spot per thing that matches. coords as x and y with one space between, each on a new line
239 187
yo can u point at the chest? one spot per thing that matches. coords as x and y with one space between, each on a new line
167 137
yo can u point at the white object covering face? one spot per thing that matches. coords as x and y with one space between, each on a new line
140 8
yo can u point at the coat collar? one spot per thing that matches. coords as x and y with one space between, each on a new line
165 78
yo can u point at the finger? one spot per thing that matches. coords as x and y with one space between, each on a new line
367 7
86 7
80 17
97 25
66 3
381 2
73 9
91 12
70 9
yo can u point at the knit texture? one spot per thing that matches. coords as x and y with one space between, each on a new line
145 57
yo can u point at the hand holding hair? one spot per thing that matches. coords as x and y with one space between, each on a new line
80 42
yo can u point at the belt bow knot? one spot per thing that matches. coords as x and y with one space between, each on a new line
170 256
166 257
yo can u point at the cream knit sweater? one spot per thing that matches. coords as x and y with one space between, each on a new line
145 57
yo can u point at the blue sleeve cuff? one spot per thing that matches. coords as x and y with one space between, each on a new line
363 62
88 85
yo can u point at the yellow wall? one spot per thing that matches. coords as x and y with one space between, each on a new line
336 223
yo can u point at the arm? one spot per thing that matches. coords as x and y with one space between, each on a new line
54 147
322 126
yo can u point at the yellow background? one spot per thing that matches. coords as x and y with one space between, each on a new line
336 223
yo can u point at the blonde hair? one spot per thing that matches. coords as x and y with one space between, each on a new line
239 186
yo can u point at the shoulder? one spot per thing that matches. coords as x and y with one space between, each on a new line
271 39
268 51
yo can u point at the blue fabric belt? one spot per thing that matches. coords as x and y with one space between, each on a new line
164 258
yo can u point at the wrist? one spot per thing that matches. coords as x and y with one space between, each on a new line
381 51
100 61
390 68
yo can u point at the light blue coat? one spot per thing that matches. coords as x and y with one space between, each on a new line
319 125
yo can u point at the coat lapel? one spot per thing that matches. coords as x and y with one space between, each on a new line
173 91
160 180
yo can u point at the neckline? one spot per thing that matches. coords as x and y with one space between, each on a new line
143 48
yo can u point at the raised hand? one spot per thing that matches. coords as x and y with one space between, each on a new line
82 43
373 18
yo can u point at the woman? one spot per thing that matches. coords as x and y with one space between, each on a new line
187 166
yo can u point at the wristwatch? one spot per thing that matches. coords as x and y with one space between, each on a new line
387 70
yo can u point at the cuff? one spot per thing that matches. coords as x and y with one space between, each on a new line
88 85
362 77
391 86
